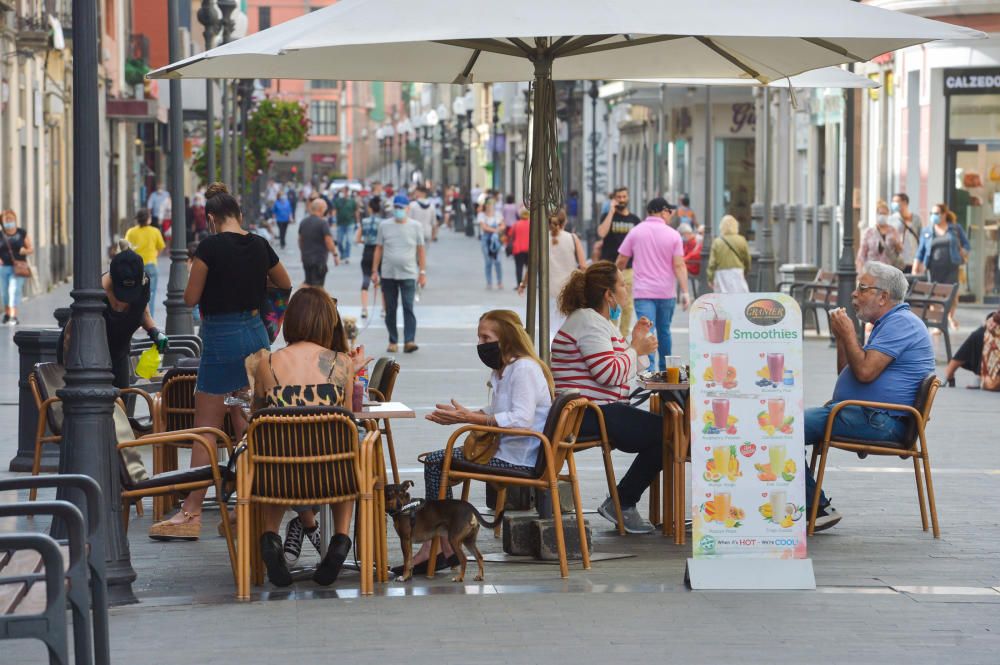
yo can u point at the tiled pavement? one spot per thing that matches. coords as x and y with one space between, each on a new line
888 592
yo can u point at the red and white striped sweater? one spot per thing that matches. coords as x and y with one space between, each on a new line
589 355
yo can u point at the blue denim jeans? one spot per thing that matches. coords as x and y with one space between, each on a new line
11 286
395 290
856 422
345 237
661 312
492 264
154 276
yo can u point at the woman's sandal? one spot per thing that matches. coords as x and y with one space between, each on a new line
189 529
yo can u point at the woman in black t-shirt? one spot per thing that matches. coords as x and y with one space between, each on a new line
14 246
228 282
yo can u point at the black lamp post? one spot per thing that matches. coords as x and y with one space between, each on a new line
496 123
846 273
593 92
88 444
227 7
444 153
179 321
208 16
245 97
468 171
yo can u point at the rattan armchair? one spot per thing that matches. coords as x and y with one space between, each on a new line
914 445
604 443
558 439
304 456
172 482
383 382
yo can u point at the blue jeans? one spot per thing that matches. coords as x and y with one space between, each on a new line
344 240
11 286
856 422
154 276
491 263
661 312
394 290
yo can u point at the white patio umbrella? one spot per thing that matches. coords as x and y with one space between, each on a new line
461 41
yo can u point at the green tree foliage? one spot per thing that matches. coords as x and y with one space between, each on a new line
274 125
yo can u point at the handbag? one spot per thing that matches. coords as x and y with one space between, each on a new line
480 447
21 267
272 310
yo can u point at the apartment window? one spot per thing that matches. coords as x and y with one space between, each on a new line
264 17
324 84
323 116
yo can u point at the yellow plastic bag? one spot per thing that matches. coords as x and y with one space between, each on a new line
149 363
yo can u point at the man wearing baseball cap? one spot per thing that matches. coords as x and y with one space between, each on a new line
657 253
401 255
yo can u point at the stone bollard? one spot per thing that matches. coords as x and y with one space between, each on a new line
518 498
518 537
33 346
544 538
544 503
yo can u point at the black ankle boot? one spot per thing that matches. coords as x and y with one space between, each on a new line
273 554
328 569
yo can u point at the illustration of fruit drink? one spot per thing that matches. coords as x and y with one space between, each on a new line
778 504
716 328
720 454
720 412
720 367
776 367
776 455
722 503
776 415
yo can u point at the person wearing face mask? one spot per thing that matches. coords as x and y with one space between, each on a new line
590 355
401 257
942 251
880 242
521 391
908 225
15 247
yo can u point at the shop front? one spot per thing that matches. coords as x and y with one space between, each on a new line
972 172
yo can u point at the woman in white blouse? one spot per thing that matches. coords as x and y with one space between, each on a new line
521 394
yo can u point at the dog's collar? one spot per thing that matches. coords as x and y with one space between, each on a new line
409 508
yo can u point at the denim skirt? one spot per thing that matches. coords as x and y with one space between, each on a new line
227 340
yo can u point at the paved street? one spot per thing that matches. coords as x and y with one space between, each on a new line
888 592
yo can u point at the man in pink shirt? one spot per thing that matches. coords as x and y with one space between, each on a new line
657 253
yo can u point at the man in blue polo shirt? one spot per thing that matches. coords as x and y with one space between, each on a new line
889 368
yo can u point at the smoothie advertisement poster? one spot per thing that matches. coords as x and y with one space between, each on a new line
747 453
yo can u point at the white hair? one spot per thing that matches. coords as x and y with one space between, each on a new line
684 228
889 279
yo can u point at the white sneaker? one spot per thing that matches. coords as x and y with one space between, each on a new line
634 522
826 517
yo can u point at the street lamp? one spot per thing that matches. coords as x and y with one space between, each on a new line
179 320
209 16
420 134
430 122
227 7
388 132
442 115
88 443
496 120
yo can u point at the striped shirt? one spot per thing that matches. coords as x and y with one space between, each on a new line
589 355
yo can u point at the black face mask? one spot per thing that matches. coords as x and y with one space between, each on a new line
489 353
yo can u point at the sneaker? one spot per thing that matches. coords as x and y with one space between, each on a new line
410 347
392 348
295 533
6 318
13 321
364 314
826 517
634 522
329 568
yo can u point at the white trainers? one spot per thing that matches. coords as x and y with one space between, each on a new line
826 517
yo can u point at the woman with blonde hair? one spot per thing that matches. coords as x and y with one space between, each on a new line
729 259
521 390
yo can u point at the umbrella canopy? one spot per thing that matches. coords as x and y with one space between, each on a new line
827 77
461 41
449 41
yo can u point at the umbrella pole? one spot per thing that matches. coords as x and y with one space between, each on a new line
544 176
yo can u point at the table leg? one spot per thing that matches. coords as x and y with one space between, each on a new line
378 508
325 522
668 469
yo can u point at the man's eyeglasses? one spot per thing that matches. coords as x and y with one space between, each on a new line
864 287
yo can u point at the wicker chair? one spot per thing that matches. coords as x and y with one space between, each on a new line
609 468
304 456
44 380
171 482
914 445
557 444
384 381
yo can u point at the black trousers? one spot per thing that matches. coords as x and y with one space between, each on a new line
631 430
520 262
282 232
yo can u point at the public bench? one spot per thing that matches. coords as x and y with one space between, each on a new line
932 302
